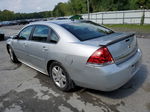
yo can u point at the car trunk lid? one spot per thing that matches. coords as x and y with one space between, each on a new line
121 45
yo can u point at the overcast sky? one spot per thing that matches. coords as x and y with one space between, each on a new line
28 6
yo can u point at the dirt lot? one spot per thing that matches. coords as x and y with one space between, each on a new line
23 89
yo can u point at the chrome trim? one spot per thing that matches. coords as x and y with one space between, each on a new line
126 57
121 59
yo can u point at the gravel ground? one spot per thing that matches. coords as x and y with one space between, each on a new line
10 30
23 89
138 32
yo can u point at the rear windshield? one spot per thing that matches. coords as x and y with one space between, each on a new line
86 30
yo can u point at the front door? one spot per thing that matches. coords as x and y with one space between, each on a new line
20 45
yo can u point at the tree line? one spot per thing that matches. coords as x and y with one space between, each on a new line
73 7
7 15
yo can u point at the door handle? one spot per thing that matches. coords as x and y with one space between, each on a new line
45 48
25 44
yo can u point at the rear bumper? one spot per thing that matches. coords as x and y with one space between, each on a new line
111 77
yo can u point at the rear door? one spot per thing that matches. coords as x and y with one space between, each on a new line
38 47
20 45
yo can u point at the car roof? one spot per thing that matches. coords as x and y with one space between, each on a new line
59 22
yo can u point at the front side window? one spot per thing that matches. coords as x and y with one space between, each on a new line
25 33
40 33
86 30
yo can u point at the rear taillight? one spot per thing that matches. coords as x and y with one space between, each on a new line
101 56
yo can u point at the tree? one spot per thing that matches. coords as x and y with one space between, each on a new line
73 7
61 9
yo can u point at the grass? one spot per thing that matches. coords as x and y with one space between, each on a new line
130 27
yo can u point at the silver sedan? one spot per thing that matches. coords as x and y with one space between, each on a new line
77 53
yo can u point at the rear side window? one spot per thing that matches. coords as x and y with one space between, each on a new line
86 30
40 33
25 33
53 37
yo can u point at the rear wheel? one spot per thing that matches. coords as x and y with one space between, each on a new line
12 55
60 77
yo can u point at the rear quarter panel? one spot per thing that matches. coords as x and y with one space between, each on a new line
73 56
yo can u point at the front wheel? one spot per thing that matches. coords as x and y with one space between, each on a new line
12 55
60 77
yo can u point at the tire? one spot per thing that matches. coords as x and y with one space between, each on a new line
60 77
12 55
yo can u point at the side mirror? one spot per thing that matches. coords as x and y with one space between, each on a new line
22 38
53 41
19 38
15 37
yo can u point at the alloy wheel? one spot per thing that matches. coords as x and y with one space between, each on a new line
59 76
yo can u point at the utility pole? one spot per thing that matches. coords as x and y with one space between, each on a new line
88 8
143 16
